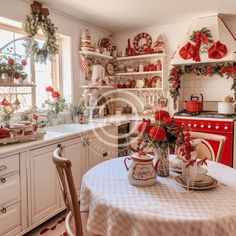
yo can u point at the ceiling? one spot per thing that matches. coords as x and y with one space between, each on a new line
125 15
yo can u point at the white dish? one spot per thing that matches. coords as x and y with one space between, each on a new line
175 163
207 183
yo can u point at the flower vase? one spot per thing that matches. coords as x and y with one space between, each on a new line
189 172
54 121
162 162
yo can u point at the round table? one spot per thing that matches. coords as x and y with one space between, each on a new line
118 208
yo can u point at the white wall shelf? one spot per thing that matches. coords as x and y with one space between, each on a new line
139 89
140 73
17 85
146 56
97 55
96 87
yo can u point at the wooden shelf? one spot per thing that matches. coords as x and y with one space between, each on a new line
95 55
17 85
140 73
160 55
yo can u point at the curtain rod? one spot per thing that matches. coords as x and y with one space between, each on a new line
60 13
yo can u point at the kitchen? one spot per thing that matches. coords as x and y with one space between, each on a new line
105 77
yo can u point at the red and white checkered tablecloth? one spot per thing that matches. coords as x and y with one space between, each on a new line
117 208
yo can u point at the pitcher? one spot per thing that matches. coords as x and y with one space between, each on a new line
142 171
98 73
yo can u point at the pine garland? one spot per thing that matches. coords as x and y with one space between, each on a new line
227 69
31 25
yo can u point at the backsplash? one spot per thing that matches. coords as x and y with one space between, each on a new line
214 89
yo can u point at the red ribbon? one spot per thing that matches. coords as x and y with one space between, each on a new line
187 51
200 37
217 50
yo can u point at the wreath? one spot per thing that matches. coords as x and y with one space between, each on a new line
227 69
31 25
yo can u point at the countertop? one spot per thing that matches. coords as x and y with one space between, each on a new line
68 131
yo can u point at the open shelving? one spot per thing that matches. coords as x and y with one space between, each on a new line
17 85
97 55
140 73
146 56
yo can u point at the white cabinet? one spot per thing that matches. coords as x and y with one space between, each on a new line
29 187
75 151
102 146
45 193
10 196
44 189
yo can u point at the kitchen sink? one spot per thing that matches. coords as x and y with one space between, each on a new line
73 128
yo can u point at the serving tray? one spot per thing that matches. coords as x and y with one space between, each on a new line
24 138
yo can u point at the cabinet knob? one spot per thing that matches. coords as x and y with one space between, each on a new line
105 154
3 180
4 210
3 167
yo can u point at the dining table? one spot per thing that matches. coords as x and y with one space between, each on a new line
117 208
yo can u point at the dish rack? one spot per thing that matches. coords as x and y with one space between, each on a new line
24 138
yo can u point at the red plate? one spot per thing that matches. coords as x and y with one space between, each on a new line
154 80
147 44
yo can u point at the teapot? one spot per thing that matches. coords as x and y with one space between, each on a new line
142 171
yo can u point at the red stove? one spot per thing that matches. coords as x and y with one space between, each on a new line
212 122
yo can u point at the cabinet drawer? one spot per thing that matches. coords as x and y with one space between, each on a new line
9 189
9 218
9 164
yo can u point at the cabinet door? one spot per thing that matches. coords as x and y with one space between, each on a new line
74 150
44 188
102 146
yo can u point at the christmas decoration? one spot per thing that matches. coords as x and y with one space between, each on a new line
39 19
224 69
217 50
187 51
199 38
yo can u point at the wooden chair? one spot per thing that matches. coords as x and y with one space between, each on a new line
204 149
63 167
75 222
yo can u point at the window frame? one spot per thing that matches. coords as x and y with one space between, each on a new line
57 82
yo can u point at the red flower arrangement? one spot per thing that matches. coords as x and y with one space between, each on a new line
56 104
162 133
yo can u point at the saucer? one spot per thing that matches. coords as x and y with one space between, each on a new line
207 182
175 163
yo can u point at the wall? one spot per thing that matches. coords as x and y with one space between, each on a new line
213 88
18 9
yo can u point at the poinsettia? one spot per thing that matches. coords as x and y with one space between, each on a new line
163 133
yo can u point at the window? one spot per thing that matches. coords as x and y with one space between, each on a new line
40 74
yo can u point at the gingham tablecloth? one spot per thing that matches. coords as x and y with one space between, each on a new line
119 209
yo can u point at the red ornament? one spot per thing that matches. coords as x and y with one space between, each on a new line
217 50
11 61
187 51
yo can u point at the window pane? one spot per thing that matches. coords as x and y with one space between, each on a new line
20 49
43 78
5 38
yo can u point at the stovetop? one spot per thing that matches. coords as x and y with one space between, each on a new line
205 114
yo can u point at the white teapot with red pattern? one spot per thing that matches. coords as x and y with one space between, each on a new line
142 171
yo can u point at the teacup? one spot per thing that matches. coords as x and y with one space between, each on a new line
201 173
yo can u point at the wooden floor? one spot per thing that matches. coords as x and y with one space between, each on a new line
52 227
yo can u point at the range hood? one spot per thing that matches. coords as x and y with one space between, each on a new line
219 31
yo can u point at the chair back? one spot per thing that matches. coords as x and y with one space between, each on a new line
66 181
204 149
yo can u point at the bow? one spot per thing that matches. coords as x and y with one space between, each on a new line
37 8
